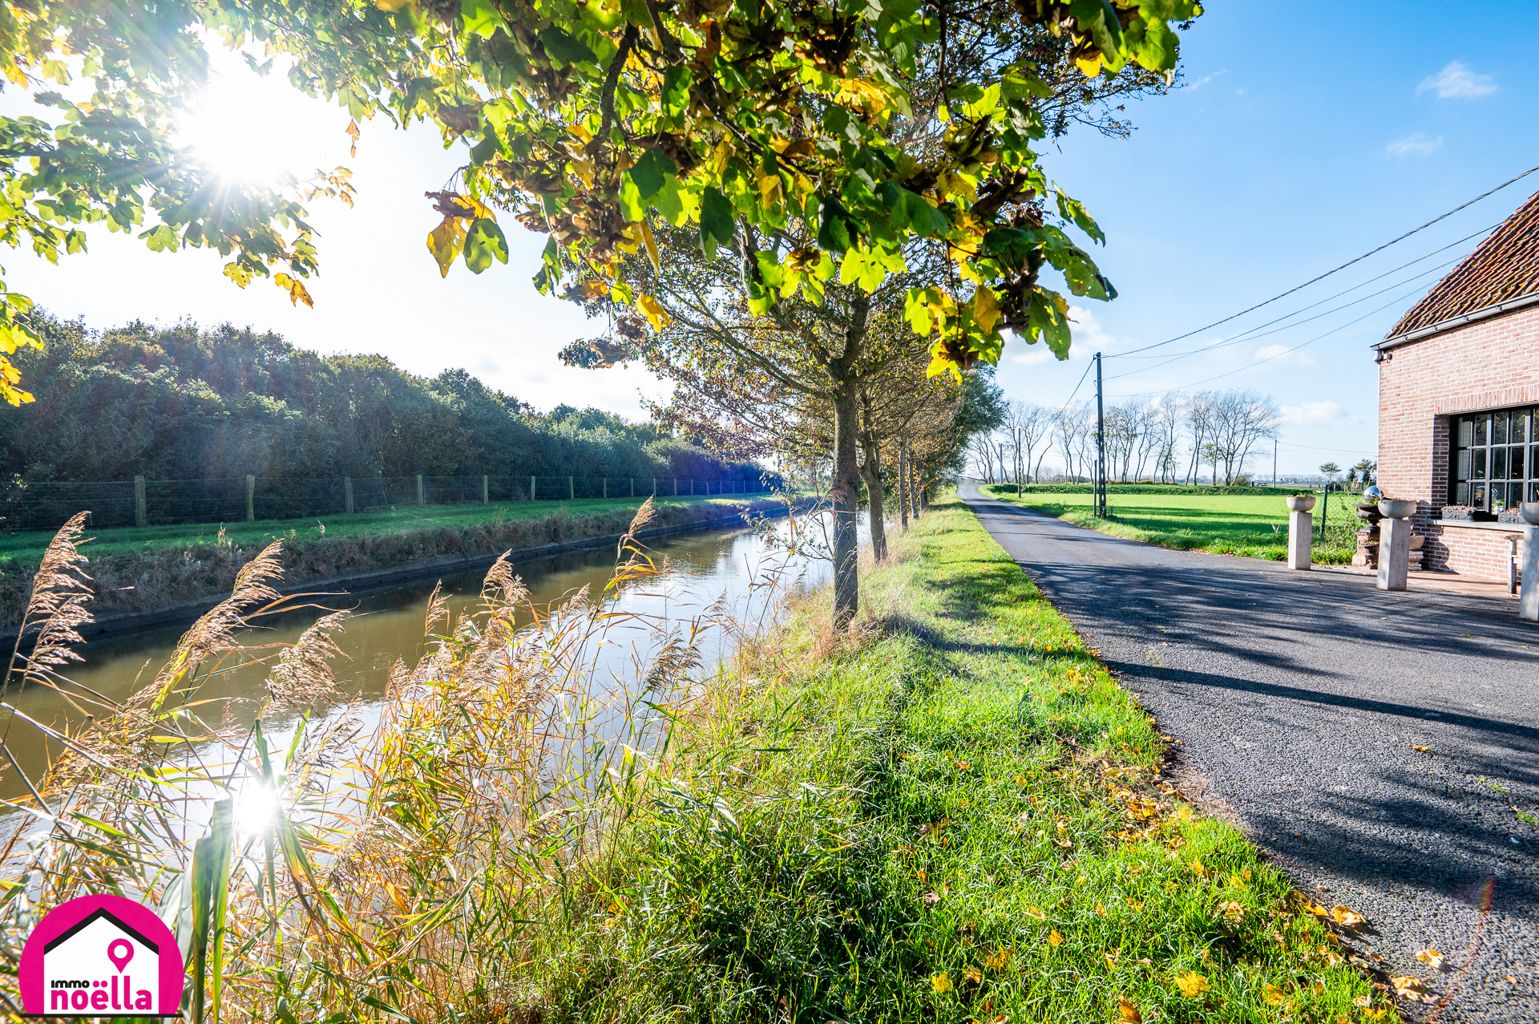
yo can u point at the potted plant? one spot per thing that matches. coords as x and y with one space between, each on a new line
1301 501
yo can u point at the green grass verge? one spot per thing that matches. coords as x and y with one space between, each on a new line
25 548
1253 525
958 817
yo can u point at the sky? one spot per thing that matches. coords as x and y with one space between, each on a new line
1304 135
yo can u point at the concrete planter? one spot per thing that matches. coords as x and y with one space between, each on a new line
1301 502
1529 510
1396 508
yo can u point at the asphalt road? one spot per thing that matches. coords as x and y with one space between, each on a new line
1300 700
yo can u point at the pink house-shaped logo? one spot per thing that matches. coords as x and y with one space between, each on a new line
101 956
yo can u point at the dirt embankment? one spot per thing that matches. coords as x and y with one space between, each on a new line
139 588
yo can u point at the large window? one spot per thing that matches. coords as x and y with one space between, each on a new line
1494 457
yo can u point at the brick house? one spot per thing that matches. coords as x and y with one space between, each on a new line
1459 403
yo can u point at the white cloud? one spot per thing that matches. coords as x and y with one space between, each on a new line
1282 352
1457 82
1315 414
1205 80
1414 144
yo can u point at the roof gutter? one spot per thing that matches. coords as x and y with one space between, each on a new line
1511 305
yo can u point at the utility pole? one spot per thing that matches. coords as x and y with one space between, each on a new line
1274 460
1100 444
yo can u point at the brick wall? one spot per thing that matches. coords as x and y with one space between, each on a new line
1491 364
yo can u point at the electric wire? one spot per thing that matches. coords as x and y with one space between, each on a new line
1337 269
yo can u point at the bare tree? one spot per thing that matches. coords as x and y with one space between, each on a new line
1239 420
1026 429
1165 419
1199 424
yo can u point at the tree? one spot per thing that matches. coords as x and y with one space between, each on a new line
1026 428
1238 420
1365 470
1330 471
593 123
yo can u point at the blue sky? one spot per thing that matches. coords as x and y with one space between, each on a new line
1307 133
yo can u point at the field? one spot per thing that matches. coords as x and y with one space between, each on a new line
21 551
1250 524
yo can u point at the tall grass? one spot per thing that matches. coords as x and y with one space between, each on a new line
357 871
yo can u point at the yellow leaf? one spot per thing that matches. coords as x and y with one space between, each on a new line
651 244
770 189
1272 994
941 982
986 311
1091 65
653 310
1407 987
1420 748
444 242
1054 939
351 130
1345 916
1430 956
1036 912
1127 1012
1232 909
1191 984
297 291
393 5
973 975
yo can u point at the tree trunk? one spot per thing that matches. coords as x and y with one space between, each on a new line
871 472
903 485
844 491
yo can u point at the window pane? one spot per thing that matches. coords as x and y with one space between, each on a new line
1498 463
1520 426
1533 491
1499 428
1466 431
1478 495
1462 465
1514 495
1480 462
1462 494
1482 430
1515 463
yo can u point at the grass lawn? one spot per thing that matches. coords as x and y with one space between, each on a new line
958 816
1255 525
24 549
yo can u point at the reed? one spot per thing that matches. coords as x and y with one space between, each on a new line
401 868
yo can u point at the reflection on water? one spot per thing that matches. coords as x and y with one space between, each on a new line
736 571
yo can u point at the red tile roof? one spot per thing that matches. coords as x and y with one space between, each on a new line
1503 267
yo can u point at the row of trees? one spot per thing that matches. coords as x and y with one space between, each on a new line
186 402
1170 440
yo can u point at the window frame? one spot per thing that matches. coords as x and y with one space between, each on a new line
1481 468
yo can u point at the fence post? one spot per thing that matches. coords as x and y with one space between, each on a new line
571 488
654 487
633 485
691 487
421 491
250 498
141 516
606 487
675 487
347 494
531 488
486 489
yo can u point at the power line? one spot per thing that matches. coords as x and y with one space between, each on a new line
1076 388
1287 351
1256 332
1337 269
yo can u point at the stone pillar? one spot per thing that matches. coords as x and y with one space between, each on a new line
1528 602
1301 539
1394 553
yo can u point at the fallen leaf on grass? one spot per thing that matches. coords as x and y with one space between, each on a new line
1273 995
1036 912
1191 984
1127 1012
941 983
1000 960
973 975
1053 938
1430 956
1345 916
1233 910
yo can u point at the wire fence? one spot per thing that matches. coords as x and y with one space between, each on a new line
44 505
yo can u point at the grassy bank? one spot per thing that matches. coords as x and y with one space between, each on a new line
1251 524
153 568
959 818
953 814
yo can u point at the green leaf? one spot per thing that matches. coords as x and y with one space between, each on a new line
211 858
565 48
834 229
650 172
716 220
484 243
481 17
